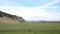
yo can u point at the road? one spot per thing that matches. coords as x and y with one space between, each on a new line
29 28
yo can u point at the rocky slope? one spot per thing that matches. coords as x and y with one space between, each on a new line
5 17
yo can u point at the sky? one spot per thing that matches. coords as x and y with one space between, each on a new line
32 10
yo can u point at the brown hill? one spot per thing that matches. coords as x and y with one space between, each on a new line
8 18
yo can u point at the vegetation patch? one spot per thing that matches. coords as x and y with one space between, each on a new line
30 32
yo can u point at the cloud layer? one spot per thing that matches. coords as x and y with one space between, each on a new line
34 13
31 13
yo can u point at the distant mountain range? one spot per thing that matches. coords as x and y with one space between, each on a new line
8 18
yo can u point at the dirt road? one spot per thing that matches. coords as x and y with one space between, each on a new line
29 28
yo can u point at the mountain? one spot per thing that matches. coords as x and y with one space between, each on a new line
8 18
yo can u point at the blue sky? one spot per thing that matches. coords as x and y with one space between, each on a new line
34 10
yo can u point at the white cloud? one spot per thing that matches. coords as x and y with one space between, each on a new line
54 16
25 11
51 3
34 13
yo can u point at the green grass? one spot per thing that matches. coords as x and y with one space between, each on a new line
30 25
30 32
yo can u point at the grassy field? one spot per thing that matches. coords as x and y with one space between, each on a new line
30 25
41 25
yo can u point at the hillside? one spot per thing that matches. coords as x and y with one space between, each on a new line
8 18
